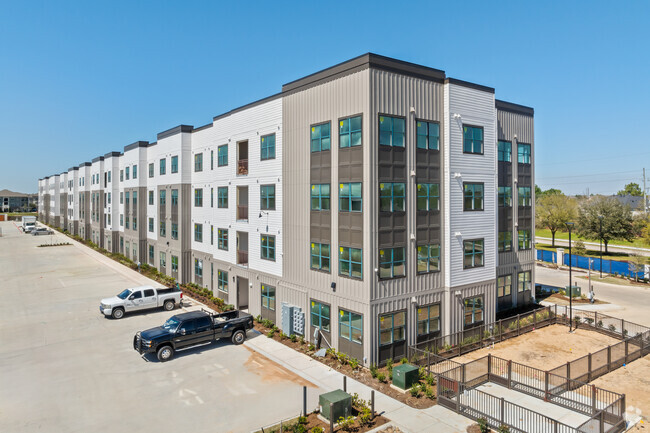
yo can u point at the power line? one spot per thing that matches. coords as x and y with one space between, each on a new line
587 175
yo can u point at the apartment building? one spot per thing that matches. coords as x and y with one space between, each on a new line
378 201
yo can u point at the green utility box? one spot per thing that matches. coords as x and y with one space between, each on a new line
405 375
342 404
573 291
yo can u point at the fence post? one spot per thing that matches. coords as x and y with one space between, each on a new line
509 374
518 325
489 366
609 358
534 319
331 418
627 350
589 368
622 328
546 385
555 428
593 399
429 363
463 377
602 421
502 411
596 320
304 401
281 427
345 383
372 403
460 343
568 370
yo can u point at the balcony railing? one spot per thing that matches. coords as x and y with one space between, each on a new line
242 167
242 257
242 213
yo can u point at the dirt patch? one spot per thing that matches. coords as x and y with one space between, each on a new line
633 380
558 299
271 372
545 348
313 420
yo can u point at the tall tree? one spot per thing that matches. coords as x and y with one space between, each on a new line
646 234
616 220
552 211
631 188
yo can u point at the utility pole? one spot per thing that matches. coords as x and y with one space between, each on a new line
645 195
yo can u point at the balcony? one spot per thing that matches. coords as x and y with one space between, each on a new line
242 248
242 213
242 258
242 203
242 158
242 167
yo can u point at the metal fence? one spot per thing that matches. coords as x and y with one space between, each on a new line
608 266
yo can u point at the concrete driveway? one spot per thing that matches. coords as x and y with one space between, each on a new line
64 367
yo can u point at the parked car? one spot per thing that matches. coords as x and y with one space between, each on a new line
42 231
186 330
140 298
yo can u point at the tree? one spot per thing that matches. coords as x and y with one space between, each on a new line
616 220
550 191
646 234
631 188
553 211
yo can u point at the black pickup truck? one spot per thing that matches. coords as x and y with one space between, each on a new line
186 330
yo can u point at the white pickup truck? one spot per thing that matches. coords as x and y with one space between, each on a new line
140 298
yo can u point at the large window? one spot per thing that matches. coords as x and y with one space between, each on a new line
523 153
391 131
428 196
268 247
268 297
473 310
505 196
174 233
174 197
428 319
198 232
320 137
151 255
504 286
135 172
222 280
163 197
428 258
198 268
320 316
174 164
174 263
505 241
222 239
163 260
320 257
222 197
163 166
524 281
428 135
268 147
505 151
524 196
351 326
267 197
222 156
163 229
472 139
350 132
524 239
473 196
127 172
198 197
391 197
320 196
350 262
473 253
198 162
392 328
350 197
391 262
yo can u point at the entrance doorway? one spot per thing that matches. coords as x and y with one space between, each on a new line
242 293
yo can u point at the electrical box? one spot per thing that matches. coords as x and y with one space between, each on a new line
405 375
292 320
574 291
342 405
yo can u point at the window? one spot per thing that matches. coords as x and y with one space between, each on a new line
127 172
320 257
151 198
163 229
198 268
163 260
350 132
268 147
524 239
212 160
267 197
163 166
351 326
504 286
473 310
211 235
268 247
126 224
350 197
523 153
135 223
505 196
428 319
163 197
211 197
320 137
222 155
320 316
391 131
222 197
198 232
524 281
428 196
121 198
391 197
109 178
268 297
121 175
198 197
428 135
151 225
524 196
222 280
121 220
320 196
174 164
175 231
198 162
222 239
174 197
135 200
473 197
505 241
350 262
151 169
151 254
505 151
135 172
392 328
473 252
174 263
472 139
428 258
391 263
109 198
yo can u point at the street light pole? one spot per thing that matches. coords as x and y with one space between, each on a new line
600 233
570 226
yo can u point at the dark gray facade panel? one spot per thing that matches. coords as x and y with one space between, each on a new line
173 131
514 108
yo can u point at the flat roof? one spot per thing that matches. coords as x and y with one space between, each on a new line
513 108
136 145
175 130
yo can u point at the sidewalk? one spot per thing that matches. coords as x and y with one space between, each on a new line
408 419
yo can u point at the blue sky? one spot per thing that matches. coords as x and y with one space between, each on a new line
80 79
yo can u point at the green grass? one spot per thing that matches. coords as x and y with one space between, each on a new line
23 214
545 233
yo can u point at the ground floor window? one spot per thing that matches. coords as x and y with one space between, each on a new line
428 319
392 327
222 280
473 310
524 281
198 268
163 260
151 254
174 264
268 297
320 316
504 286
351 326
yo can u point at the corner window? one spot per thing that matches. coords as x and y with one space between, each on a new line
428 319
267 197
472 139
320 137
222 197
320 196
267 147
350 132
350 262
524 196
320 257
428 258
392 328
391 263
428 196
320 316
391 131
505 151
504 286
222 280
473 196
268 247
428 135
198 232
524 281
198 162
222 156
473 253
350 197
351 326
523 153
505 196
391 197
505 241
174 164
198 197
222 239
473 310
268 297
524 240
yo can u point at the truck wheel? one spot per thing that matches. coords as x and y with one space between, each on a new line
117 313
238 337
165 353
168 305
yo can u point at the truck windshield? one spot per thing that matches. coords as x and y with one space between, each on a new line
171 324
125 294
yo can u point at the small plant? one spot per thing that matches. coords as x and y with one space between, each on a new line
381 377
346 424
293 338
317 429
589 321
331 352
415 391
283 336
503 429
428 392
373 370
562 292
390 375
301 340
271 333
258 318
624 332
311 347
365 416
483 425
447 347
389 365
600 323
612 327
430 380
342 357
404 360
354 363
422 373
302 420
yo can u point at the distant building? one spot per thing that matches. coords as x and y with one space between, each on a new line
15 201
633 201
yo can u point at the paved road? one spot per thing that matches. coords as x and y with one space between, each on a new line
65 368
596 245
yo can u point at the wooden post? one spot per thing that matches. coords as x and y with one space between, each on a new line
568 370
627 350
546 381
372 403
609 358
331 418
509 374
589 368
503 421
593 399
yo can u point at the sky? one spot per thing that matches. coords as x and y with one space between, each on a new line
81 79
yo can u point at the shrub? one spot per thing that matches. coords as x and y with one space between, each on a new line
483 425
354 363
311 347
317 429
342 357
404 360
430 380
415 391
283 336
579 248
428 392
422 373
270 334
293 338
346 424
275 328
228 307
365 416
447 347
503 429
301 340
390 375
373 370
302 420
600 323
589 320
562 292
267 323
389 364
331 351
381 377
612 327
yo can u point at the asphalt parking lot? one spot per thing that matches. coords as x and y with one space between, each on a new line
66 368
